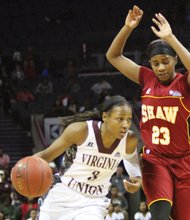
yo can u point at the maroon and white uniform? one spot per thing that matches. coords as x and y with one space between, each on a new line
86 181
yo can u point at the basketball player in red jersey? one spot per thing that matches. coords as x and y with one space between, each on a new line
165 118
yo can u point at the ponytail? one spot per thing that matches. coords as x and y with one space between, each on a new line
79 117
95 115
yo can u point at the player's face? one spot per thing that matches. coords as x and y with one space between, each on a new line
118 120
164 67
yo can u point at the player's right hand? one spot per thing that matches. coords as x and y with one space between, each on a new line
133 18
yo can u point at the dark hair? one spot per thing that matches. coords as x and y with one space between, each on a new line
106 106
159 47
112 102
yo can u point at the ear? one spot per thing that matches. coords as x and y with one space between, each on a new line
176 59
104 116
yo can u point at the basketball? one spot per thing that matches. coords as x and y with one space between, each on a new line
31 176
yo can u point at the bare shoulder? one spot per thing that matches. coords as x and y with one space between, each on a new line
78 131
132 142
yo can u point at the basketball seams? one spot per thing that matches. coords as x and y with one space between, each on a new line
42 176
31 176
27 170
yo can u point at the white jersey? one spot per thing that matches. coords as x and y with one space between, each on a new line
93 164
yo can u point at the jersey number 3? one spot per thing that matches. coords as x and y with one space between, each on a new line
160 135
94 175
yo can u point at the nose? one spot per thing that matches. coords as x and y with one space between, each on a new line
161 67
126 124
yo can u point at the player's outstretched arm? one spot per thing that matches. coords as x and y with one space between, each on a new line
75 133
164 32
115 52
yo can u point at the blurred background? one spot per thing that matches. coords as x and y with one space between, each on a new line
52 64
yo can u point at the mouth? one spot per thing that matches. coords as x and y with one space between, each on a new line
123 133
162 75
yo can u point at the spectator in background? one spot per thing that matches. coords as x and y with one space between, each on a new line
118 199
98 88
72 106
5 185
143 213
61 104
7 208
26 206
110 212
70 70
4 159
32 214
4 74
45 87
119 213
2 215
117 180
8 96
29 68
45 70
25 96
73 87
17 56
18 73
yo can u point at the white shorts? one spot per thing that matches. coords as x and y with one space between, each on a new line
63 203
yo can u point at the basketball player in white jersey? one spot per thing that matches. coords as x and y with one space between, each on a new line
101 143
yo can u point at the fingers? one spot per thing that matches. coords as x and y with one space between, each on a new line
154 30
160 20
131 186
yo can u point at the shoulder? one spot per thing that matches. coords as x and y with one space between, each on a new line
146 74
77 131
131 142
78 126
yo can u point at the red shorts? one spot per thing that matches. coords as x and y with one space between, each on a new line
168 179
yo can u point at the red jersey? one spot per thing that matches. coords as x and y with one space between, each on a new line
165 117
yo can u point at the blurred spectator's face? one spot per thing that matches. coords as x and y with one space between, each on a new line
142 206
2 176
33 214
114 191
119 170
110 208
2 216
117 208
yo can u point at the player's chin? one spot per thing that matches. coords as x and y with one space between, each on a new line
121 135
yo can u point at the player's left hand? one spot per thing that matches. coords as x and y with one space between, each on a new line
165 30
133 184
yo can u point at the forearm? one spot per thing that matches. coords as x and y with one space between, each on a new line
181 51
132 165
117 46
43 155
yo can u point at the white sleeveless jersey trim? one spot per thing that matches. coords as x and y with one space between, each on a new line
91 170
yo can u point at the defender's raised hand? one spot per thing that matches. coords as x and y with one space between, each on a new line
164 30
133 18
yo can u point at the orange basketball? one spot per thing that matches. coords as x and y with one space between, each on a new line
31 176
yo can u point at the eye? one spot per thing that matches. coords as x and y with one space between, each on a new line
154 64
129 119
166 62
